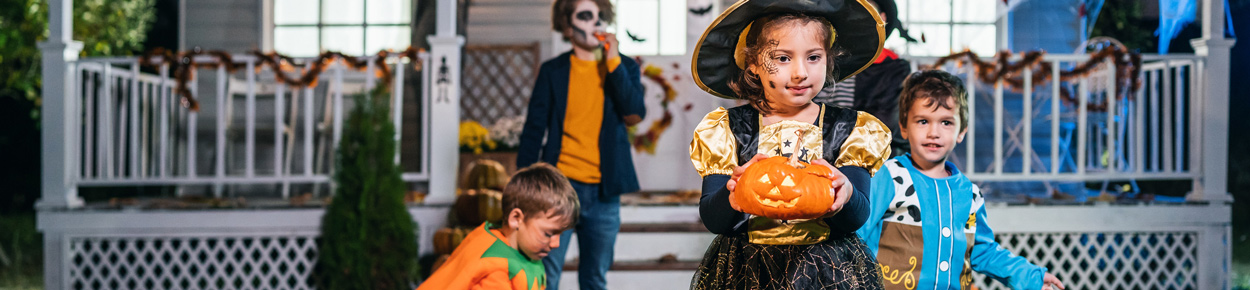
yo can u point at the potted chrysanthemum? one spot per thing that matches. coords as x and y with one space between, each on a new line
497 142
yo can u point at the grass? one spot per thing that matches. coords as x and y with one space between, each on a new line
22 245
1240 276
1240 241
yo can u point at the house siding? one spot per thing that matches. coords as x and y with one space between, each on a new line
230 25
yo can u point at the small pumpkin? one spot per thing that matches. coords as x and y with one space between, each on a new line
484 173
447 239
475 206
784 188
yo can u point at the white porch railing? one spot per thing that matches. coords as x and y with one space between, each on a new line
130 130
1149 136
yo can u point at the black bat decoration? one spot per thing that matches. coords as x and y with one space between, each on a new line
701 11
633 37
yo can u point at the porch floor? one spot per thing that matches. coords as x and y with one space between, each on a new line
646 198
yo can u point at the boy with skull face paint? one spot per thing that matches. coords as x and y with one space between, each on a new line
581 103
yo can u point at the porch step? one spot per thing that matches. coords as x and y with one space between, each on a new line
641 214
648 234
688 227
645 242
653 265
636 279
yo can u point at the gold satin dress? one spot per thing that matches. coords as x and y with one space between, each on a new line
793 254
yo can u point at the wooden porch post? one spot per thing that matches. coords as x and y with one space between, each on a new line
59 144
1213 184
444 104
1214 254
58 139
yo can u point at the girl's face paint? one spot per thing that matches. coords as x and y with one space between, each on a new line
792 64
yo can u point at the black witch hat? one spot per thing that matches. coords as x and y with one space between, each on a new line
856 28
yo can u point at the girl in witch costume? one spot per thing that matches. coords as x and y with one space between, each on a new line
776 55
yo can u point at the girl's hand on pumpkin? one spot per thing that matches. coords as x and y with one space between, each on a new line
841 188
738 170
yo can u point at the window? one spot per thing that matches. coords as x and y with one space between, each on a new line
650 27
353 27
947 26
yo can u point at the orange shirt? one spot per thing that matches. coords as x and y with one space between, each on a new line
484 260
579 149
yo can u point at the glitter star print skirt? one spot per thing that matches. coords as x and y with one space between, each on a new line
731 262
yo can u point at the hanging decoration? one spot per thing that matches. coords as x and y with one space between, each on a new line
1127 66
1089 11
443 82
1174 15
185 66
646 141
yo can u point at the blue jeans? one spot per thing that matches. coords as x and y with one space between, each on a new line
596 228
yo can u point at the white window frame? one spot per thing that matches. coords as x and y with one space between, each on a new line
622 37
1001 31
268 27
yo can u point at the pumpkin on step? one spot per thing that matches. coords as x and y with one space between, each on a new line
447 239
484 173
480 198
784 189
475 206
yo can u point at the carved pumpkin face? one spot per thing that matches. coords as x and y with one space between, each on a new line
773 188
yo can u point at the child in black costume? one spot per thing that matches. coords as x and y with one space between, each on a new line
777 55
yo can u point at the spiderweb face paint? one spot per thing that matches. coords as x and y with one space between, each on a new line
766 56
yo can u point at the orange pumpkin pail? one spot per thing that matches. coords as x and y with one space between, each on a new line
784 188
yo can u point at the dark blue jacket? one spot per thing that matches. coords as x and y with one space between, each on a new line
545 119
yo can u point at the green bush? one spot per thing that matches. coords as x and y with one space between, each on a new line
1123 20
368 239
21 252
105 27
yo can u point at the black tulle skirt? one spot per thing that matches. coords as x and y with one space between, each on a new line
841 262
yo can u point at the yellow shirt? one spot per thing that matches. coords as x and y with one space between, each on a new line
583 117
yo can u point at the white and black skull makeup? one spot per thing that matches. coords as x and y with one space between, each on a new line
585 21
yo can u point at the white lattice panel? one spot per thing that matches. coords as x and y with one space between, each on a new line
1088 247
497 81
1142 260
247 262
